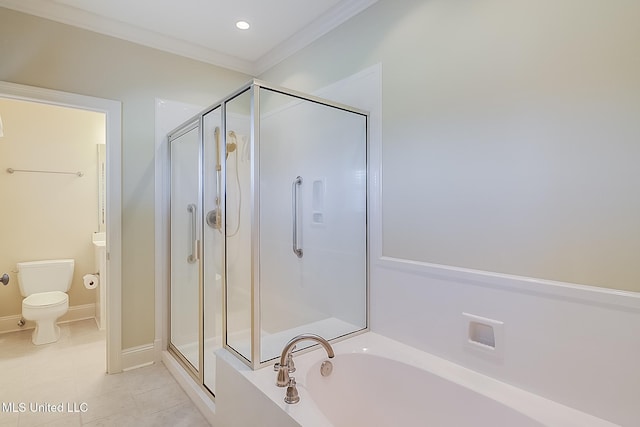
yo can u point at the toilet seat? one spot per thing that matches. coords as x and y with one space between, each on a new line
45 299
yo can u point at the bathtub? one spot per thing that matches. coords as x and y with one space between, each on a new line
380 382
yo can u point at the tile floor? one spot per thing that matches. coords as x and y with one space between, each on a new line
70 374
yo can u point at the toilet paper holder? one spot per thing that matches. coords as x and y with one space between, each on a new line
4 279
89 283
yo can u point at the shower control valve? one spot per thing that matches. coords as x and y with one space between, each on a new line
214 219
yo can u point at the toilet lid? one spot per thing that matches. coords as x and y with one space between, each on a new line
45 299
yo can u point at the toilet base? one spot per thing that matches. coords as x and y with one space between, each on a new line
46 332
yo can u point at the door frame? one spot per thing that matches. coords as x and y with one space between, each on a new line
113 120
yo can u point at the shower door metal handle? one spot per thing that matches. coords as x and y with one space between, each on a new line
193 216
294 201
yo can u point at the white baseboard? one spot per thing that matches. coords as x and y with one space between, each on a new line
142 355
75 313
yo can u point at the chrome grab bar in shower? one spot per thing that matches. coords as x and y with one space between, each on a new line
294 196
193 210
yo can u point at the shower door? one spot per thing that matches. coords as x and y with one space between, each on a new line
296 218
196 245
313 220
268 226
185 311
213 240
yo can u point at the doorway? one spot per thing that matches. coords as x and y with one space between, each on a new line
112 206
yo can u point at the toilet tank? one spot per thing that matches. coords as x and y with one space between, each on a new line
45 276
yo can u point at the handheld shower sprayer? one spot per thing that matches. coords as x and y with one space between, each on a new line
231 146
214 217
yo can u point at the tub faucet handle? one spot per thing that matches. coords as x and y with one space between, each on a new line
292 395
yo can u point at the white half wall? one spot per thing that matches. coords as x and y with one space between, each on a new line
576 345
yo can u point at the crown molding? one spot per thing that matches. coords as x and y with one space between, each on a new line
111 27
89 21
318 28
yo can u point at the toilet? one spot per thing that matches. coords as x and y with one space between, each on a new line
44 285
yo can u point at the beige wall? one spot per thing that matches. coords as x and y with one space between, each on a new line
510 131
43 53
531 81
48 216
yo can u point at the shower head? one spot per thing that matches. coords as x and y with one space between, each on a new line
231 146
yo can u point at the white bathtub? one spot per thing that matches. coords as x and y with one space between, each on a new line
380 382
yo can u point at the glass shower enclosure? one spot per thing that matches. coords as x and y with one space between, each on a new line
268 226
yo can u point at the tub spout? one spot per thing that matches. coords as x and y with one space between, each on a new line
283 379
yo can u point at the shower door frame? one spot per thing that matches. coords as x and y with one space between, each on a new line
198 121
254 86
198 375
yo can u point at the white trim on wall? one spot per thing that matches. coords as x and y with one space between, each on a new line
583 294
334 17
75 313
77 17
113 116
142 355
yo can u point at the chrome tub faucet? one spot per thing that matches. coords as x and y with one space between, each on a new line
285 366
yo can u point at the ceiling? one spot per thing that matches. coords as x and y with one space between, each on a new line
205 29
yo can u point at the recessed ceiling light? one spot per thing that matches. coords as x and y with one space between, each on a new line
242 25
